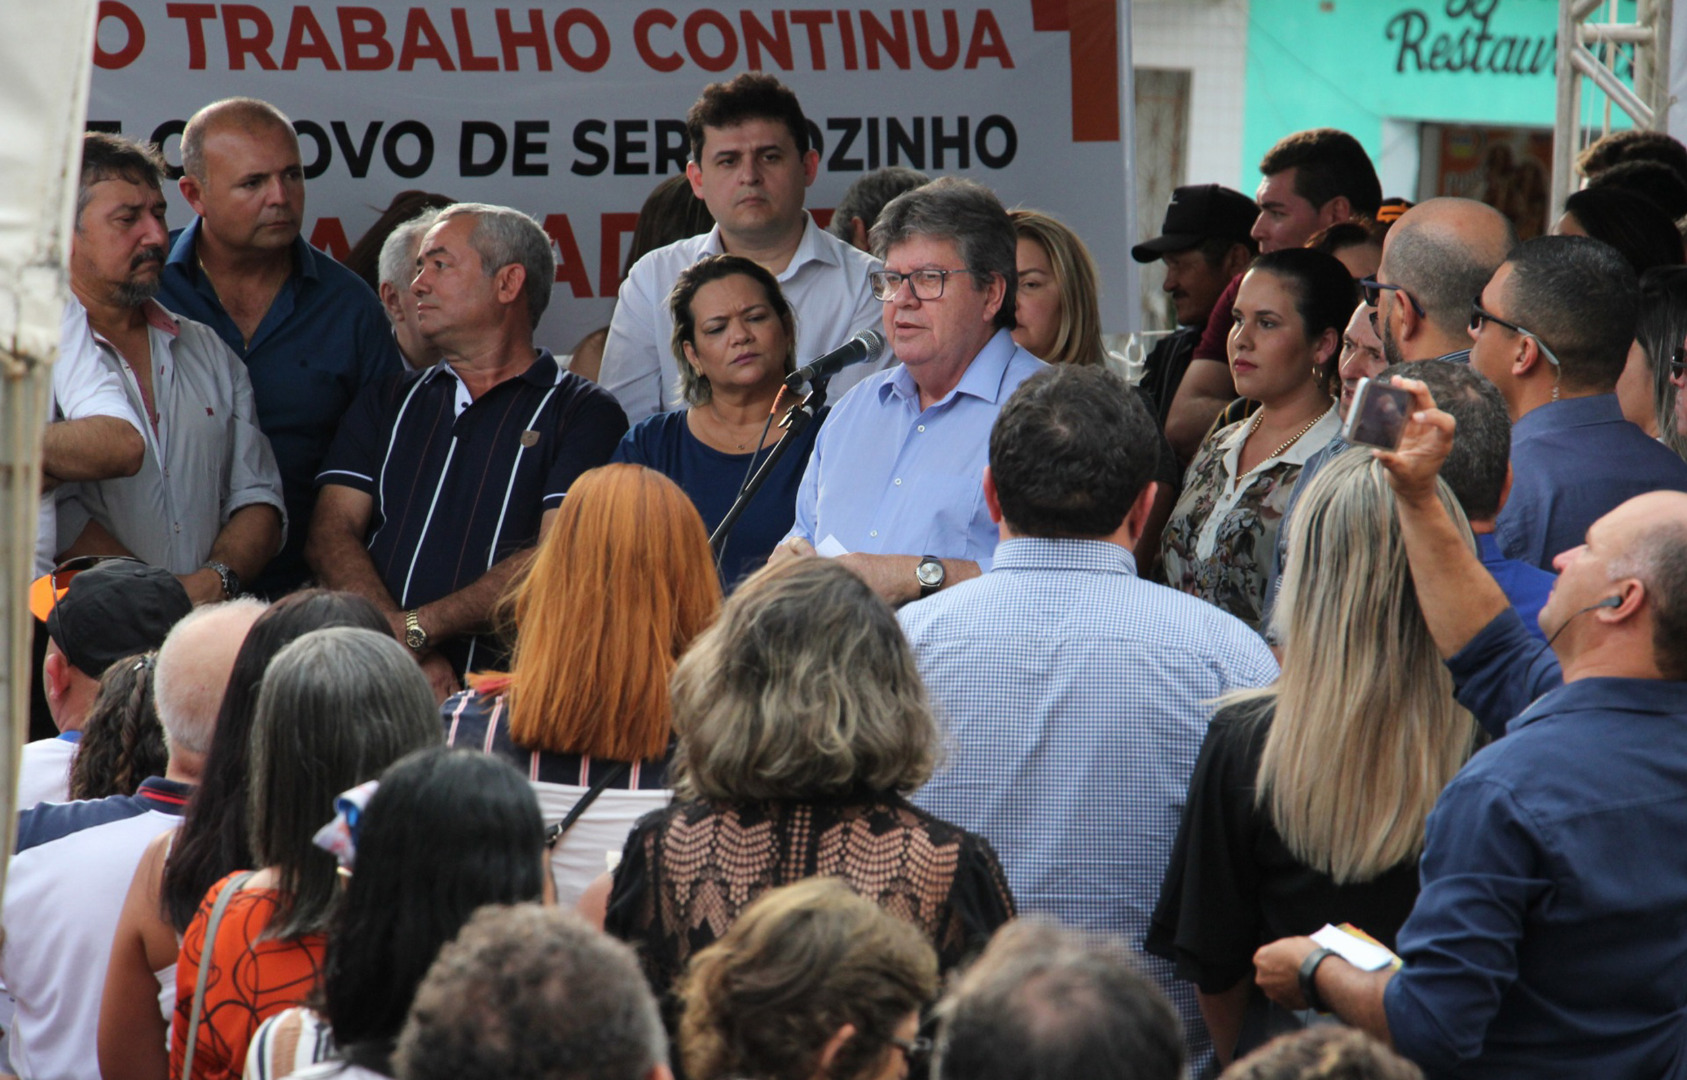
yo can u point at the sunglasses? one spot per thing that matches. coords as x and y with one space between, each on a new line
46 590
1678 363
1479 315
1373 289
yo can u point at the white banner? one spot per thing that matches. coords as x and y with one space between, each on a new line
574 111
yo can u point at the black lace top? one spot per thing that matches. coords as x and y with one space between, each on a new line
689 869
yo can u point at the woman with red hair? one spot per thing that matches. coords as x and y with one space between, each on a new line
620 584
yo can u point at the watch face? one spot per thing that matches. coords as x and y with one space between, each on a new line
415 638
929 573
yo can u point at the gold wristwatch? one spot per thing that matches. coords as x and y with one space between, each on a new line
414 635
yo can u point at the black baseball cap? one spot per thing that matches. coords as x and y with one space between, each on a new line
1199 212
114 609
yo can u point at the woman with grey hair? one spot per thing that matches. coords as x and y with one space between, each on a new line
336 708
802 724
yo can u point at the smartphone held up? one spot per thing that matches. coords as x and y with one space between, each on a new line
1378 415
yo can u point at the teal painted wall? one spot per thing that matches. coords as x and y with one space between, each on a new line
1352 63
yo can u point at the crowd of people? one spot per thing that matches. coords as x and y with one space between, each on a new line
425 703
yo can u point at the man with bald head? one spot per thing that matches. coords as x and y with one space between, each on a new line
311 332
1435 258
74 863
1546 940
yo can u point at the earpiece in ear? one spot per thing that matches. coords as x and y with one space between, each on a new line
1610 601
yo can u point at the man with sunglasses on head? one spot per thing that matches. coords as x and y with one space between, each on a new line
1552 330
894 486
1434 259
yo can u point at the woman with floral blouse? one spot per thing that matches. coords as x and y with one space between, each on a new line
1289 316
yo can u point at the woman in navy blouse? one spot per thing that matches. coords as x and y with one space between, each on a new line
735 338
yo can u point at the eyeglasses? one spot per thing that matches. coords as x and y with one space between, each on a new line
916 1051
1373 292
46 590
1478 316
1678 363
924 284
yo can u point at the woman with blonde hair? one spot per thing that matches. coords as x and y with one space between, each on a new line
812 981
619 586
803 725
1057 303
1308 802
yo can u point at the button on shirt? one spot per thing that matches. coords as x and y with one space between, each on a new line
1573 462
825 284
457 490
323 339
1547 940
205 457
889 478
1075 697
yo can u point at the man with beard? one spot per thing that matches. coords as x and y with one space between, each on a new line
1436 257
206 503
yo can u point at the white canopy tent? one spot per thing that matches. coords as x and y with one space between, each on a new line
45 51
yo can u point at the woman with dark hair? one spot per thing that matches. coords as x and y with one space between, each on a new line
365 257
736 339
1285 340
1308 803
122 739
1631 223
813 980
620 585
445 832
1645 390
803 725
178 868
336 707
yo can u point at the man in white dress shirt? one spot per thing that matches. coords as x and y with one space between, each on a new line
751 162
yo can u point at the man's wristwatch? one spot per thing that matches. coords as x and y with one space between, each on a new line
230 579
414 635
930 574
1309 978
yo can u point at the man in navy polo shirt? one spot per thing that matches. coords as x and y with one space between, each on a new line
312 334
441 481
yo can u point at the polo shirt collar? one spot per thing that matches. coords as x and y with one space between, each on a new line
982 379
166 796
542 372
1657 697
1569 413
1065 553
182 254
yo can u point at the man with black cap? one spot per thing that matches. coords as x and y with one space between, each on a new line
95 617
1204 243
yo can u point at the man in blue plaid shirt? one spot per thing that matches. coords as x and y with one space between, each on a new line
1075 695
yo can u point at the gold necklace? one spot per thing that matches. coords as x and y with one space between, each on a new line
725 429
1258 416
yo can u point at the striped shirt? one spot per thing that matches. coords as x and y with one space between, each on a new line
460 485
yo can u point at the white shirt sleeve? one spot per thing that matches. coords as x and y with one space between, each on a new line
632 362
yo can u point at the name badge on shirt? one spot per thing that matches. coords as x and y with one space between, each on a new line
530 438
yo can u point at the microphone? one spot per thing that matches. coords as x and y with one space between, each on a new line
863 347
1609 601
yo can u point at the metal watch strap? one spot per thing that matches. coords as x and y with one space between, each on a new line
414 636
230 579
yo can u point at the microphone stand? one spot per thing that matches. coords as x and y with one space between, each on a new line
796 421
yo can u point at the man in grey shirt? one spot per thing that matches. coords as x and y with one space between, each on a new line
206 504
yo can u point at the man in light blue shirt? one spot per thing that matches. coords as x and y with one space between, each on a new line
1075 695
893 484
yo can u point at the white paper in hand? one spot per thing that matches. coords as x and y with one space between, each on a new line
1362 954
830 547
